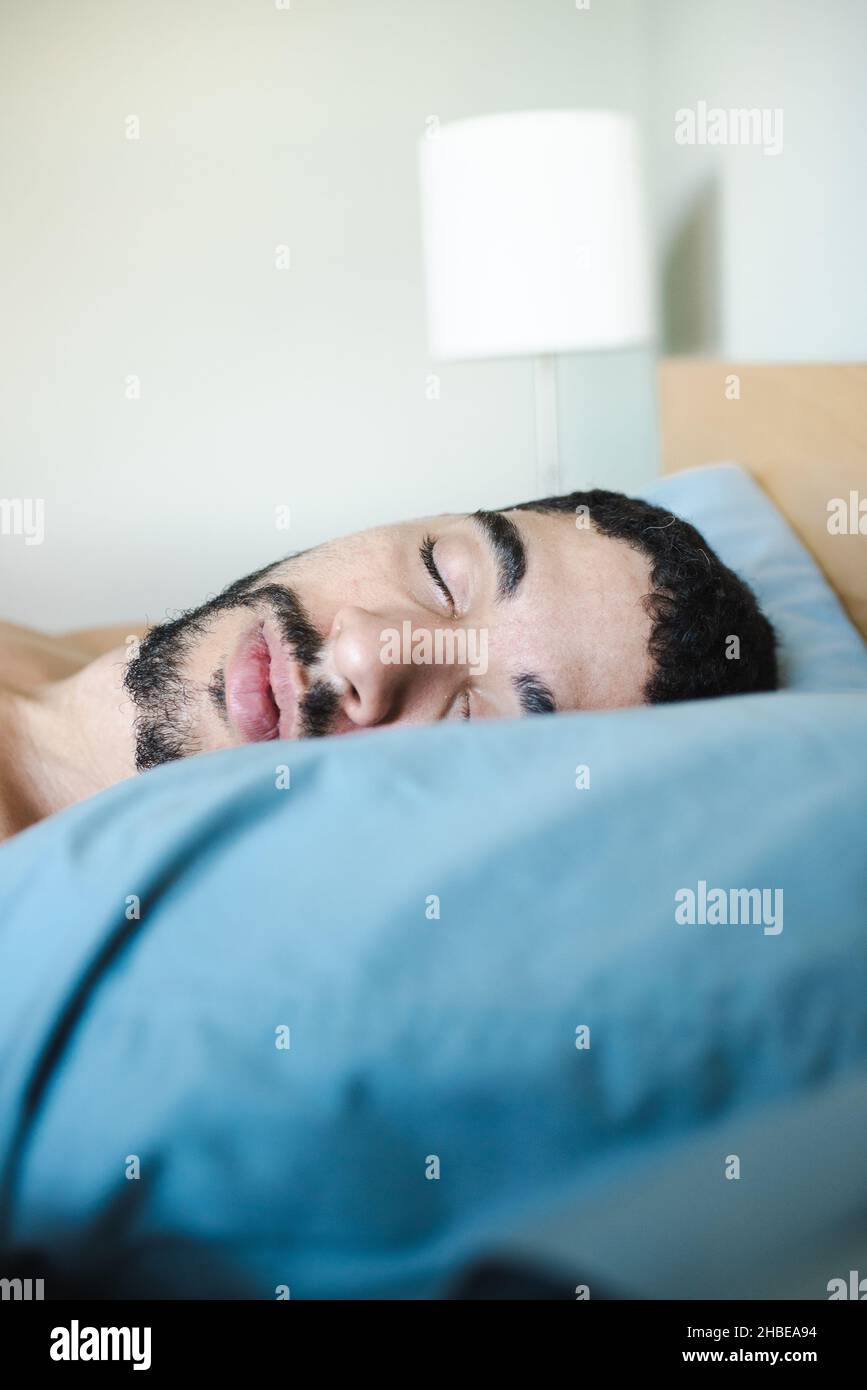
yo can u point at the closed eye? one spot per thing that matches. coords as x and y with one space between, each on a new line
426 550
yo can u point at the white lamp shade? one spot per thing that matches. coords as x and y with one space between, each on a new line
534 236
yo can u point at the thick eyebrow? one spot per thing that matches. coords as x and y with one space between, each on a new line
507 547
510 559
534 695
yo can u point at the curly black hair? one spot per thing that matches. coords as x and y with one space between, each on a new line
697 604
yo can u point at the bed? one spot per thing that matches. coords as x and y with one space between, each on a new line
799 430
432 1011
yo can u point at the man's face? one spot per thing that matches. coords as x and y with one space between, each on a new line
450 617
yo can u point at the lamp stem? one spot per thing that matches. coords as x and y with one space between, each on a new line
547 449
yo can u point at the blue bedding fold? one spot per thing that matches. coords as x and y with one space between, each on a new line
421 1041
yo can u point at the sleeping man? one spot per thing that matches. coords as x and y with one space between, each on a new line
584 602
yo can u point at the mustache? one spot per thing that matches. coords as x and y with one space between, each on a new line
318 709
291 616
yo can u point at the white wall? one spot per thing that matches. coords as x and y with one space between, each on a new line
763 255
156 257
307 387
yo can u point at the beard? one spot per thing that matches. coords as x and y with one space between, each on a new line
165 697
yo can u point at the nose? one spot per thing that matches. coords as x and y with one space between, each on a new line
374 685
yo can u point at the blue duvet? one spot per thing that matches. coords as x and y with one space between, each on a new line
433 1001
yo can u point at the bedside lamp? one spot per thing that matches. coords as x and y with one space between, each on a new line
535 245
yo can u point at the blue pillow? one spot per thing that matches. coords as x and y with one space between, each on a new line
820 647
431 919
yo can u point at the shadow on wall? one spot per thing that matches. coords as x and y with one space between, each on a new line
691 278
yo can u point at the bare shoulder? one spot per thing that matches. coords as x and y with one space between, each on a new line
8 823
13 813
96 641
29 658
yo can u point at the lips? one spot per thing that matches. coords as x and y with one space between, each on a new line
261 692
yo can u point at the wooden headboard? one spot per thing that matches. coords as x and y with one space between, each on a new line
800 430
